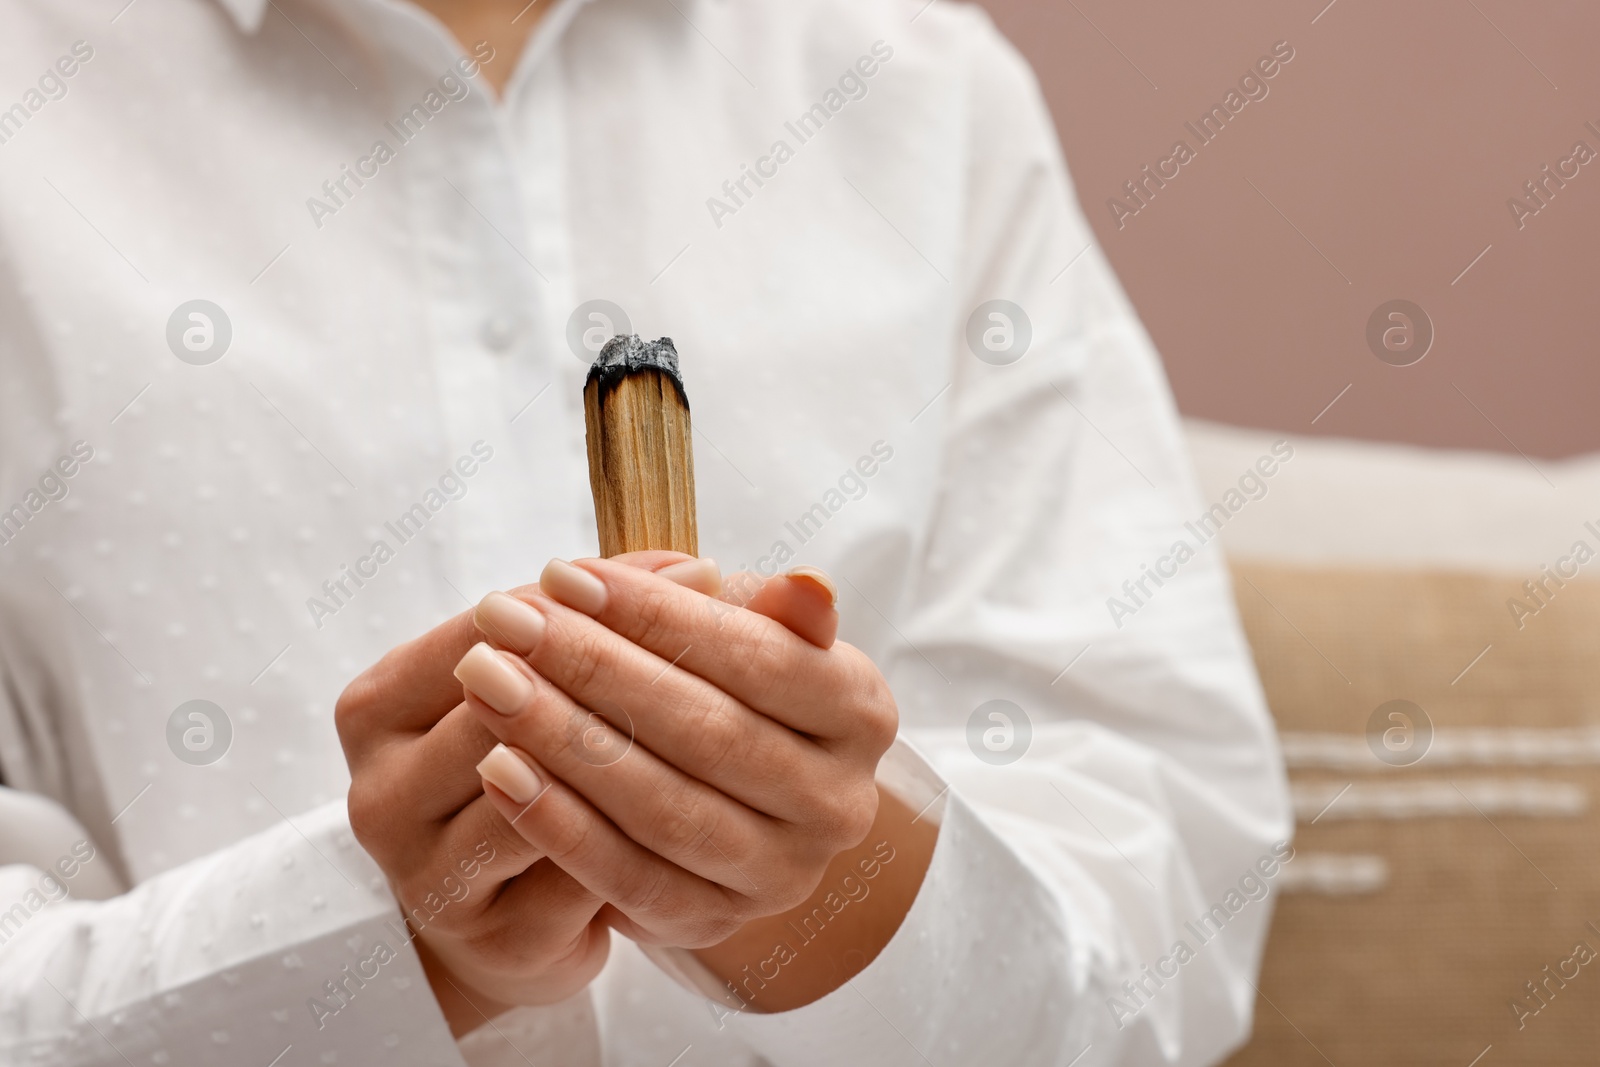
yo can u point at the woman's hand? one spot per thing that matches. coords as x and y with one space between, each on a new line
495 926
694 763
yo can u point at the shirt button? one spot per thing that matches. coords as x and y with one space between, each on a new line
498 333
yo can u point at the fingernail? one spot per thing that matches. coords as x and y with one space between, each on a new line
509 772
701 575
815 575
573 586
510 621
493 680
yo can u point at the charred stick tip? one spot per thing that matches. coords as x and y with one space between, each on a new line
628 354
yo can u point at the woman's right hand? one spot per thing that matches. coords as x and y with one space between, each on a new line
495 925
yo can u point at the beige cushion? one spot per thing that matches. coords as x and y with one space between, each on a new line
1427 895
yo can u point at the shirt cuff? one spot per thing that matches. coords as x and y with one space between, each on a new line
566 1033
289 938
983 926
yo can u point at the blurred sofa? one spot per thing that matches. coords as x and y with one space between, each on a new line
1425 624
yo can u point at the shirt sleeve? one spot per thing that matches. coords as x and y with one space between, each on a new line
1116 810
286 947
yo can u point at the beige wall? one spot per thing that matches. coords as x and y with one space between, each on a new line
1388 148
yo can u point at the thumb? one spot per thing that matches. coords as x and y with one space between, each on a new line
804 599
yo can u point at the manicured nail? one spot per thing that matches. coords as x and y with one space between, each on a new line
509 772
493 680
510 621
701 575
822 580
573 586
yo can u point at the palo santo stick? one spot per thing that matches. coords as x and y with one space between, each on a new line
641 463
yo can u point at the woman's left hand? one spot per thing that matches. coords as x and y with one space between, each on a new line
700 763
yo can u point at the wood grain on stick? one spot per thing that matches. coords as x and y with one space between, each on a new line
641 459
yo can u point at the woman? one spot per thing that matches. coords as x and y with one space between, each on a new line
298 299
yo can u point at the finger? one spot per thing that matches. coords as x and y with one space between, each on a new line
753 658
661 897
653 559
410 688
478 849
678 716
701 575
803 599
433 776
545 908
508 970
535 941
680 818
407 691
542 913
422 799
419 811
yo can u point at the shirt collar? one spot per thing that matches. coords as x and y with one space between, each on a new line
246 13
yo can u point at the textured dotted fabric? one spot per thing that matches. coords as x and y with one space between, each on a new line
261 421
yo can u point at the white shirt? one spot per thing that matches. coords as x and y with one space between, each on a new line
379 333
